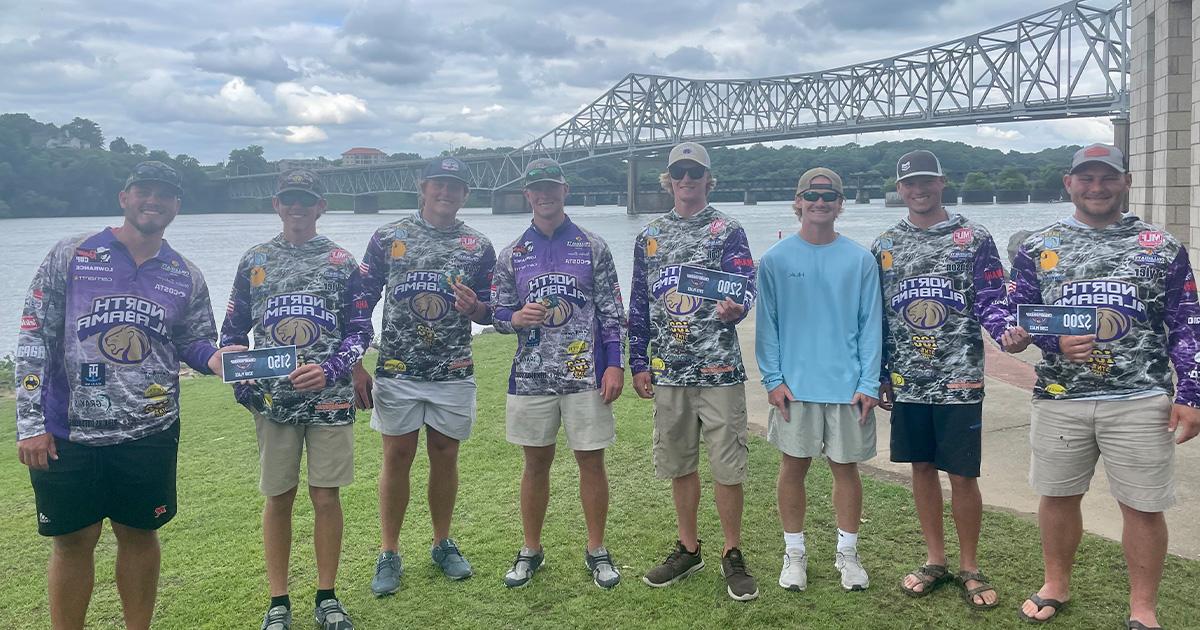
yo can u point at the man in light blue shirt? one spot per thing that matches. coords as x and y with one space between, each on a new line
819 342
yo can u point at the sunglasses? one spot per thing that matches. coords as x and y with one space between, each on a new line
294 197
538 173
696 172
812 195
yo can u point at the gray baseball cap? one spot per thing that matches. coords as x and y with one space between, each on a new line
1101 153
544 170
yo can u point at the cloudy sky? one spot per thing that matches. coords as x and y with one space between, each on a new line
315 78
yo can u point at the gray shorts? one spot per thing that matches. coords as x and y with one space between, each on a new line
831 429
1067 437
403 406
586 418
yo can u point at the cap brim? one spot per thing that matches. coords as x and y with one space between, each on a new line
1119 169
930 173
688 158
303 190
445 176
545 179
177 187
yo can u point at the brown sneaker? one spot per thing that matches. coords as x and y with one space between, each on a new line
679 564
738 582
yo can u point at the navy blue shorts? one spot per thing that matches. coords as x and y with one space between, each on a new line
948 436
131 483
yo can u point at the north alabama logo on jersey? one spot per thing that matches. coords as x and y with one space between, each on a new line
428 293
559 293
925 302
1117 305
125 326
297 319
664 290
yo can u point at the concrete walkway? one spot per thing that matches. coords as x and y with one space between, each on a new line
1004 475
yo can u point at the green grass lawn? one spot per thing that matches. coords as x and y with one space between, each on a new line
213 573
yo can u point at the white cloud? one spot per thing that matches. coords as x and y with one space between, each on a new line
159 98
988 131
320 106
450 139
303 134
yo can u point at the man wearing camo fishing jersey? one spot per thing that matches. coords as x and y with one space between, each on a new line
107 321
301 289
556 288
1109 394
942 278
437 274
684 354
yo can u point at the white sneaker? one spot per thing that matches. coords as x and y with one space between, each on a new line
854 576
794 576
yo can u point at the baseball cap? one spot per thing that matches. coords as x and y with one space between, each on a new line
447 167
1101 153
300 179
544 170
919 162
689 151
805 182
154 171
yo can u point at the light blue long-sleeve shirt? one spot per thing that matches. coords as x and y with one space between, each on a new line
819 326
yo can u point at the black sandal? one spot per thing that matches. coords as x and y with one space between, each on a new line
1042 602
930 576
1137 625
969 594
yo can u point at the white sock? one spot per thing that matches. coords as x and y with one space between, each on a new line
847 541
794 541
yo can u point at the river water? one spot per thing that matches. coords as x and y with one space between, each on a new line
215 242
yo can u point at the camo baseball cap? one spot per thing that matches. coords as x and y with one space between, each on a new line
544 170
300 179
155 171
448 167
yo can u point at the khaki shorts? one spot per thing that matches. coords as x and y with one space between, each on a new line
330 455
1068 436
587 419
403 406
683 414
815 428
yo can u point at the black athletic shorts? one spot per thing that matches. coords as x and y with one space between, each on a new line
132 483
948 436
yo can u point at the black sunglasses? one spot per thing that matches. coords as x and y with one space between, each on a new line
552 171
812 195
292 197
677 172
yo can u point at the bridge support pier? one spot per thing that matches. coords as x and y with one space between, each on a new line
366 204
631 182
748 198
863 196
622 200
510 201
589 201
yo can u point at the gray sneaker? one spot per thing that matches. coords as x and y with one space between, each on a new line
854 576
604 572
527 563
389 567
331 615
794 576
277 618
739 584
451 561
679 564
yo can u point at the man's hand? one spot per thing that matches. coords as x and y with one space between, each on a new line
214 362
865 404
308 378
530 315
37 451
642 385
729 311
1077 348
887 396
779 399
362 387
1185 422
611 383
465 300
1015 340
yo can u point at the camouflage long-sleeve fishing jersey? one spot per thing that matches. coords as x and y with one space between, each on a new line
939 285
573 275
1140 281
307 296
678 337
102 338
424 338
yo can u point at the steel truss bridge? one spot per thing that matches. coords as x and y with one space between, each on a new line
1071 60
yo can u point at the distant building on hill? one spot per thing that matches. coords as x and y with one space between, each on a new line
363 156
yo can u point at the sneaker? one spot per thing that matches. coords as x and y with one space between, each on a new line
738 582
854 576
679 564
604 572
331 615
447 556
527 563
794 576
389 567
278 618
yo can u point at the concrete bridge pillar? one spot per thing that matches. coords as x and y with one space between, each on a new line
589 201
267 205
748 198
366 203
510 201
863 196
631 183
622 200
